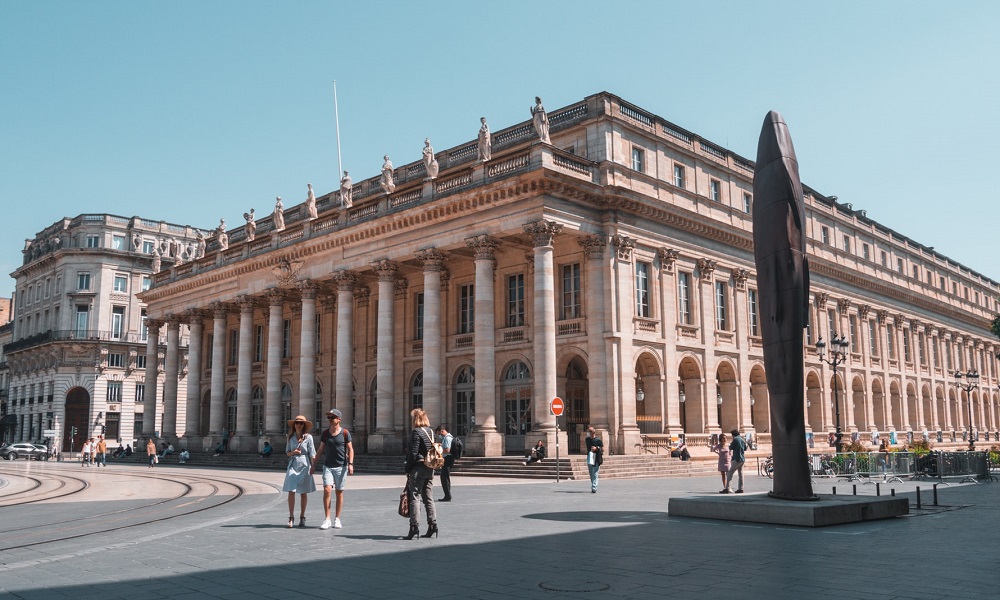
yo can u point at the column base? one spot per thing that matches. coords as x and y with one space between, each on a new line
484 443
385 443
629 441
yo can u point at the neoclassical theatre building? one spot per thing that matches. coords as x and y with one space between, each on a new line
599 254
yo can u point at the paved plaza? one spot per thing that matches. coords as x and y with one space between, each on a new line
500 538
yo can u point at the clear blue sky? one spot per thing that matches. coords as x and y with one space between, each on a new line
189 111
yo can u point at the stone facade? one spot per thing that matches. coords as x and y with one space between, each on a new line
612 268
79 342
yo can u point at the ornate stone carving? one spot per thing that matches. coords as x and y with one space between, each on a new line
245 302
820 299
346 191
540 121
308 288
882 315
542 232
668 256
484 245
843 305
345 280
219 310
593 245
445 279
430 163
278 216
387 180
362 295
221 236
329 302
706 266
386 269
433 259
286 270
275 297
400 287
741 276
623 245
251 226
484 147
311 212
863 310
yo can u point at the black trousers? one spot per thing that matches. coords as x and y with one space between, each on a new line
449 462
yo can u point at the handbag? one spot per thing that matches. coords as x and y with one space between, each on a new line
404 502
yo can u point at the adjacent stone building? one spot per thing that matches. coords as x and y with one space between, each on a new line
612 267
79 350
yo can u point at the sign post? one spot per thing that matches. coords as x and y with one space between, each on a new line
556 407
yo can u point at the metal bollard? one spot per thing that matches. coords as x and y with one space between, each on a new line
834 490
892 492
935 495
855 488
878 491
918 498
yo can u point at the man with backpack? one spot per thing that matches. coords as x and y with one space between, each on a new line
336 450
452 447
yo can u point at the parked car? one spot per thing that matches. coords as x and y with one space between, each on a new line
24 450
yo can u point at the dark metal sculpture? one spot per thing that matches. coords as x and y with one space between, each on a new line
783 286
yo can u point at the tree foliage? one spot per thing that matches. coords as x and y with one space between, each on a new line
995 326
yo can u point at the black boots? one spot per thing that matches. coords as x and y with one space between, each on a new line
432 530
414 531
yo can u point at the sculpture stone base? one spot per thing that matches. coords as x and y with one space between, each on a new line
483 443
385 443
761 508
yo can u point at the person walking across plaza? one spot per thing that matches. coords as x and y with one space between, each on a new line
151 452
336 450
595 457
420 477
301 451
738 448
725 460
449 462
87 449
101 452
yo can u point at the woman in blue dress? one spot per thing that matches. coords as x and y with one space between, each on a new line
298 477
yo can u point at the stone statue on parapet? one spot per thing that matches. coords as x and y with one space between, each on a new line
430 163
251 226
311 203
278 216
484 148
221 235
540 120
387 181
346 191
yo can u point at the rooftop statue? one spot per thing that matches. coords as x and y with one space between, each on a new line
346 191
311 203
278 216
540 120
485 145
387 182
430 162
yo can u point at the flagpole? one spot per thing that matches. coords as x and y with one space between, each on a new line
336 112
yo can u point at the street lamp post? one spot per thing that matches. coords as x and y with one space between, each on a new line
971 382
838 354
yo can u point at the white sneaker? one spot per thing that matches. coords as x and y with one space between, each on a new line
326 524
336 524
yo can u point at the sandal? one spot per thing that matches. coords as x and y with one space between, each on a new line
291 522
302 521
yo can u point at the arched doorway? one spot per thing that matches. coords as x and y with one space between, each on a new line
859 405
726 398
760 403
878 406
577 414
516 386
814 403
895 407
692 413
77 415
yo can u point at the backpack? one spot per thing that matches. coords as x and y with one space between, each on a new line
457 448
434 458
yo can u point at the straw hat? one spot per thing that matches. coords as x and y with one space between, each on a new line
300 419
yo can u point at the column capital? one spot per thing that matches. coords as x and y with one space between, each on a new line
362 295
624 245
433 259
173 320
741 276
484 245
401 285
345 280
542 232
706 266
246 303
593 245
386 269
308 289
329 302
882 315
820 299
843 305
863 310
195 315
275 297
668 256
154 324
219 310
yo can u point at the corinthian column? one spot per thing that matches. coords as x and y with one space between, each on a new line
152 373
171 366
217 408
433 353
273 425
382 437
485 440
598 265
244 370
192 417
345 347
307 350
544 341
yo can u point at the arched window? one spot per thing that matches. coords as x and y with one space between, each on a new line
517 399
231 410
286 403
257 411
417 390
465 401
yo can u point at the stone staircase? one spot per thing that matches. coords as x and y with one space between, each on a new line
570 467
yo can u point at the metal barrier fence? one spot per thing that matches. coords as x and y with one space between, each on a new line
894 466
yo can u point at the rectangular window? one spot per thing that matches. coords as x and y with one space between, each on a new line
116 359
140 395
721 322
853 320
82 319
864 252
679 176
890 342
143 332
258 343
715 190
747 203
515 300
147 282
943 286
117 242
117 322
637 159
418 333
642 289
121 284
935 354
147 246
234 347
140 361
319 334
885 260
93 241
831 323
571 291
754 317
684 298
899 265
921 354
847 244
210 355
83 281
916 272
114 391
286 338
906 345
825 234
466 309
872 338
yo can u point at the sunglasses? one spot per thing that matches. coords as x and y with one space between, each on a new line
331 418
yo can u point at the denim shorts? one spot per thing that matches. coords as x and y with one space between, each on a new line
335 476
